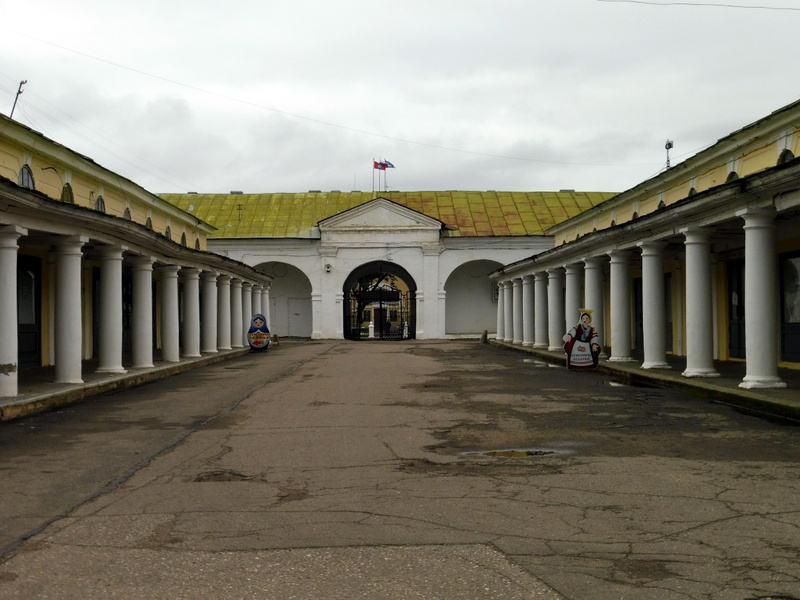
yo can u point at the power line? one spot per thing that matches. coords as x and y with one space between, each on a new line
320 121
706 4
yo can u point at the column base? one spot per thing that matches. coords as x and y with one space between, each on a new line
111 370
527 344
541 346
555 348
656 365
69 381
756 381
700 373
621 359
192 356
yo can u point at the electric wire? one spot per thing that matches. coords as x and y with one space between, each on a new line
701 4
321 121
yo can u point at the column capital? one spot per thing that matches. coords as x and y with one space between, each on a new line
652 248
594 262
111 252
11 232
142 262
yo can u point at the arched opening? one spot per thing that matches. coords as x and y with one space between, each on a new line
380 303
785 156
471 305
289 300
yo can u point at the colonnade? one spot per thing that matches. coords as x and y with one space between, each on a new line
560 289
211 314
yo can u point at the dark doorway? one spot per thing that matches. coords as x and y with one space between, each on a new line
379 303
29 310
790 307
736 309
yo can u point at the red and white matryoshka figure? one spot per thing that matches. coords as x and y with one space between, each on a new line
582 344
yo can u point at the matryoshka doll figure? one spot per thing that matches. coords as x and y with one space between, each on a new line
258 334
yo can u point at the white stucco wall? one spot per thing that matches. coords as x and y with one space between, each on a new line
451 274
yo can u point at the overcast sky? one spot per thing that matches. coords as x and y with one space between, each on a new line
279 96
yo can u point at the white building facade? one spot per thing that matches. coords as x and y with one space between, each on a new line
448 277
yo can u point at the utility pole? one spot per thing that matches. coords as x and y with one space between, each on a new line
19 91
668 146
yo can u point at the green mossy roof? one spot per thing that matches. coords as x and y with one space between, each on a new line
465 214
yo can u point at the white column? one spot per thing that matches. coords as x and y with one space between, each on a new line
142 314
170 324
191 312
555 309
247 310
620 306
208 312
9 345
501 311
236 313
255 307
699 311
540 323
265 305
516 300
68 331
508 312
224 312
573 298
110 330
527 310
761 301
593 273
653 306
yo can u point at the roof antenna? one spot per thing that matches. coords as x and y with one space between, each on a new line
19 91
668 146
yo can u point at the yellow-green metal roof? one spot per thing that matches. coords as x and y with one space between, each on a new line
464 213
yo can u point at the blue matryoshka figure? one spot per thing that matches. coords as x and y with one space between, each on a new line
258 334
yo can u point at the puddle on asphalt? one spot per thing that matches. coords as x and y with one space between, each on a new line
539 363
515 453
554 449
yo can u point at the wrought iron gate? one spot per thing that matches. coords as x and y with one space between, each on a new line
381 313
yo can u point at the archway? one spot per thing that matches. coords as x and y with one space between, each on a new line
471 306
289 300
380 303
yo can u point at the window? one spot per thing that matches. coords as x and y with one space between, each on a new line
149 223
197 244
25 178
127 214
183 240
67 195
785 156
100 205
168 233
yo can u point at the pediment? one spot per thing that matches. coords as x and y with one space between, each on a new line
379 215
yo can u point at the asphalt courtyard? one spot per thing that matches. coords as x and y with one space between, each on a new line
402 470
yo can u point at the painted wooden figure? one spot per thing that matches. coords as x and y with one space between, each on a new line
258 334
582 344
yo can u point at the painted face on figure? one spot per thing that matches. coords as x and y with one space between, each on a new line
258 322
585 320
